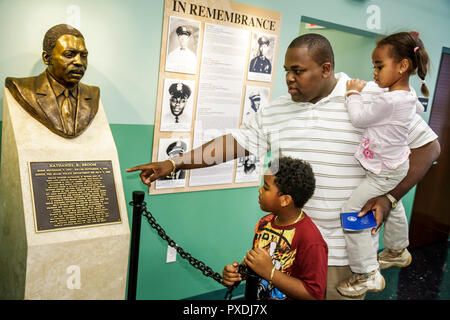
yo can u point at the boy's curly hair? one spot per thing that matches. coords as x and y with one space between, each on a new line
294 177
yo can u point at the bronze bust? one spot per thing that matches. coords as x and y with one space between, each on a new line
56 98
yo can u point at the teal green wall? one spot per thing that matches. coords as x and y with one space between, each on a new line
341 40
124 42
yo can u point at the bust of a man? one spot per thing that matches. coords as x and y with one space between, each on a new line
56 98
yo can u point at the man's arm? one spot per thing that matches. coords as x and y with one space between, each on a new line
219 150
420 161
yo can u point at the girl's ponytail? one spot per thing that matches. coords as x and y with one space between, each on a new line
422 62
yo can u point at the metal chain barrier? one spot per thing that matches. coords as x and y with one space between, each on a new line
197 264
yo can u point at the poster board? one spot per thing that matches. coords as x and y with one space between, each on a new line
217 67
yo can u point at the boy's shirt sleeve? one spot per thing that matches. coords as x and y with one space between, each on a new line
313 263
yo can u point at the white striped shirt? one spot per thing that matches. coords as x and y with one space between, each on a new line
323 135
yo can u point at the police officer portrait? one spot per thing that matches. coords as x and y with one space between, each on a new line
260 66
182 45
255 97
248 169
177 105
170 148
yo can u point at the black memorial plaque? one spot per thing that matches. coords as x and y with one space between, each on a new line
73 194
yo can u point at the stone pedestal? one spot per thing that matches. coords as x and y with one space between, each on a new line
84 262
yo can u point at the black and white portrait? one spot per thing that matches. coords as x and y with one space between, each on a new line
170 148
177 105
261 58
182 45
255 97
248 169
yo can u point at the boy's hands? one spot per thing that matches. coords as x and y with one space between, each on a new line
355 84
230 274
256 259
259 261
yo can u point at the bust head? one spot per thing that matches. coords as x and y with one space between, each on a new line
65 54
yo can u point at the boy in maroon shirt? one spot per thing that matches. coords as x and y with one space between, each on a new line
289 254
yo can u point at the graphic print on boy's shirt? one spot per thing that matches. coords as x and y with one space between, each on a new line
278 243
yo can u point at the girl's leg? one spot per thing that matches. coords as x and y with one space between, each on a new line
362 246
395 234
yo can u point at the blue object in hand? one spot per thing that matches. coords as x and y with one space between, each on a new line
350 221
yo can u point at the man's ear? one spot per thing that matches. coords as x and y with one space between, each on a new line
285 200
46 57
326 69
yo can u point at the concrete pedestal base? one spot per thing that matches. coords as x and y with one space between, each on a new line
81 263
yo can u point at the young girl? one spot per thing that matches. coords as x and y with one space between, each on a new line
384 153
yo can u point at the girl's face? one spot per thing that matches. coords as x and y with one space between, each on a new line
386 71
269 197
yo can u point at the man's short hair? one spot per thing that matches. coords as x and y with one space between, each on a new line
318 46
55 32
294 177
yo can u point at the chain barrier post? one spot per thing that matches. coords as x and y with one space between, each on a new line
138 204
139 210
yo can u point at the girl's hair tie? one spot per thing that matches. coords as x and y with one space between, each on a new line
415 49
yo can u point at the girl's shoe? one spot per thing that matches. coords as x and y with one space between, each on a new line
394 258
360 283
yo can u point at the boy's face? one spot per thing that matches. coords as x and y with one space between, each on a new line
269 196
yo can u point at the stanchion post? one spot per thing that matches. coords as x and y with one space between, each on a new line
138 199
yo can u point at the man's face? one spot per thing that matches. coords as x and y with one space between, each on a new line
304 77
68 60
255 104
184 40
175 154
263 49
177 105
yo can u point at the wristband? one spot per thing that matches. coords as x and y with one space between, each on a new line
351 91
271 276
170 176
392 200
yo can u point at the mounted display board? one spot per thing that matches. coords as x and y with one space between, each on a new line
217 65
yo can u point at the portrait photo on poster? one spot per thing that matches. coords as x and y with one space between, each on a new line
261 57
248 169
170 148
177 105
182 45
255 97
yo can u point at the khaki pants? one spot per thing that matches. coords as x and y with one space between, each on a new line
335 275
362 247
